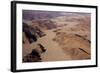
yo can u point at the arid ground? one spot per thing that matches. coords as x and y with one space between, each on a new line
64 36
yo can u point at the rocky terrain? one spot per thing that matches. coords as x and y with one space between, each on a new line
64 35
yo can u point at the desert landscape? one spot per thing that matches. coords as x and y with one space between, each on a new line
55 36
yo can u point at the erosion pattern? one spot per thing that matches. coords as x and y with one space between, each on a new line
64 35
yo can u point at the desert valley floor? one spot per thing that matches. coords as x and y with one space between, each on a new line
69 40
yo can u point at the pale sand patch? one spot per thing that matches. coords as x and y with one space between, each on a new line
54 51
